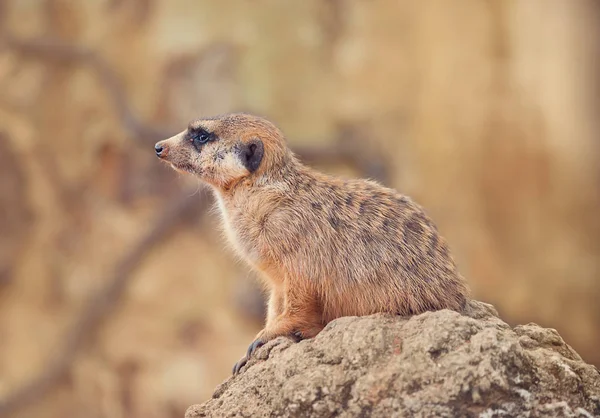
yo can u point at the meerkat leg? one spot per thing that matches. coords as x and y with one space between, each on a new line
274 309
301 318
275 304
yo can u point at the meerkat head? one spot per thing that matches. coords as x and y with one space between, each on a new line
225 149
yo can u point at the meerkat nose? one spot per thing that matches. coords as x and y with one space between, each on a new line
159 149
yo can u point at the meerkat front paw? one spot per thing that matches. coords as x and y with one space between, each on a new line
307 333
261 339
289 329
257 343
238 366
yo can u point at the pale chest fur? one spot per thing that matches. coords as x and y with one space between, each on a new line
243 220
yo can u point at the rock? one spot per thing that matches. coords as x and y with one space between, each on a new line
442 364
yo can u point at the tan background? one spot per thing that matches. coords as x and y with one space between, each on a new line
486 112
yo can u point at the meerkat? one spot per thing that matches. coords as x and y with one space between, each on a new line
325 247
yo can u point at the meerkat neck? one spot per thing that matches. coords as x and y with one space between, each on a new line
276 174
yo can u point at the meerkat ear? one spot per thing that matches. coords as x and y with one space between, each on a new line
252 154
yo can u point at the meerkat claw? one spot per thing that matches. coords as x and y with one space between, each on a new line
254 346
251 349
238 366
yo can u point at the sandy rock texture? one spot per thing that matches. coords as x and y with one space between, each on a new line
442 364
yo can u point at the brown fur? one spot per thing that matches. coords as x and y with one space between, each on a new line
326 247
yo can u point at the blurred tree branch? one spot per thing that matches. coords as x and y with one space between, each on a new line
100 304
57 50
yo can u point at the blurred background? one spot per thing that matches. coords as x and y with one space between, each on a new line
118 297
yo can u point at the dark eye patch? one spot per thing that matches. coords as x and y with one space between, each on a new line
199 136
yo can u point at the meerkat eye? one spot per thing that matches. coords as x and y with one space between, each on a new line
200 137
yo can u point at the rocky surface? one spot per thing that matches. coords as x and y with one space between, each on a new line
442 364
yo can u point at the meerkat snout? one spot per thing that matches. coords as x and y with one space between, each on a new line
159 149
